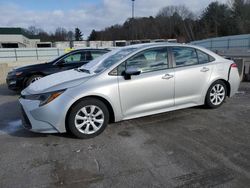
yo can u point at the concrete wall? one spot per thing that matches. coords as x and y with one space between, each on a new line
247 67
6 67
84 44
61 45
80 44
101 44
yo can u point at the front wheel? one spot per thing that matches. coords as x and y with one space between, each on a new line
88 118
216 94
32 79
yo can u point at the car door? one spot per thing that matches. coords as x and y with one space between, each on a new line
192 74
68 61
76 60
153 90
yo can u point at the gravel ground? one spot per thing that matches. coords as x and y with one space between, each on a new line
194 147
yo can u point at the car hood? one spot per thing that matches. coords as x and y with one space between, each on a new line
27 67
58 81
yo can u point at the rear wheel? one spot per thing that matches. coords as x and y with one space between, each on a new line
32 79
216 94
88 118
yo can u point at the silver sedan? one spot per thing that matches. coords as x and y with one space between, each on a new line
129 82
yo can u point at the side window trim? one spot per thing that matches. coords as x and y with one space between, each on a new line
170 58
196 51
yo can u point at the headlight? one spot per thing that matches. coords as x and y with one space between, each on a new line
18 73
15 73
44 98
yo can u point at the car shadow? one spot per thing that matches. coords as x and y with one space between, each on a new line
4 91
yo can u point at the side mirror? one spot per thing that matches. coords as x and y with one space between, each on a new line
131 71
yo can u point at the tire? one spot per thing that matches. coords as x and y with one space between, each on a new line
216 94
88 118
32 79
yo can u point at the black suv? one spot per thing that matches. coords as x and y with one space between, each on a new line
20 78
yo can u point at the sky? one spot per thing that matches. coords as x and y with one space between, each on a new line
85 14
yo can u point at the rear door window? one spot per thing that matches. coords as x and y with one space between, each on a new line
184 56
204 58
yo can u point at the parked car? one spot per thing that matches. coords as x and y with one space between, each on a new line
128 83
20 78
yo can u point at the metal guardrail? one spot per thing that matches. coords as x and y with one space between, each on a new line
17 54
225 43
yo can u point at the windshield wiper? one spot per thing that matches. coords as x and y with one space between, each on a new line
82 70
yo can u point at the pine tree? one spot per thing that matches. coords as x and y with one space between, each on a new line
78 34
93 35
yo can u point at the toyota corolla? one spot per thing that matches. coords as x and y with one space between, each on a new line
127 83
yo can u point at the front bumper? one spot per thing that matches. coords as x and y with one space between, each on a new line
49 118
25 120
30 122
14 82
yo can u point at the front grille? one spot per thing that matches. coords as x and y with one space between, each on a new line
25 120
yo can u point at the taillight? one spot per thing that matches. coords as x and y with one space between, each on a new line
234 65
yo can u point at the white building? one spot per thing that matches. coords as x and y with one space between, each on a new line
16 38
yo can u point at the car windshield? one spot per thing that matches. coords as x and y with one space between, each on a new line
106 61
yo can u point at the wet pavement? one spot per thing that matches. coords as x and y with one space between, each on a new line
194 147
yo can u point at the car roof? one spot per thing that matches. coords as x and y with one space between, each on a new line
169 44
141 46
158 44
91 49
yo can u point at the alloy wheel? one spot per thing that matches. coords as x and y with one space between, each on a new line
89 119
217 94
35 79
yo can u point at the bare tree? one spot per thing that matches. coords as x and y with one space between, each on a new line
181 10
70 36
60 34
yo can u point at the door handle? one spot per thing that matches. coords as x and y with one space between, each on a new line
204 69
167 76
